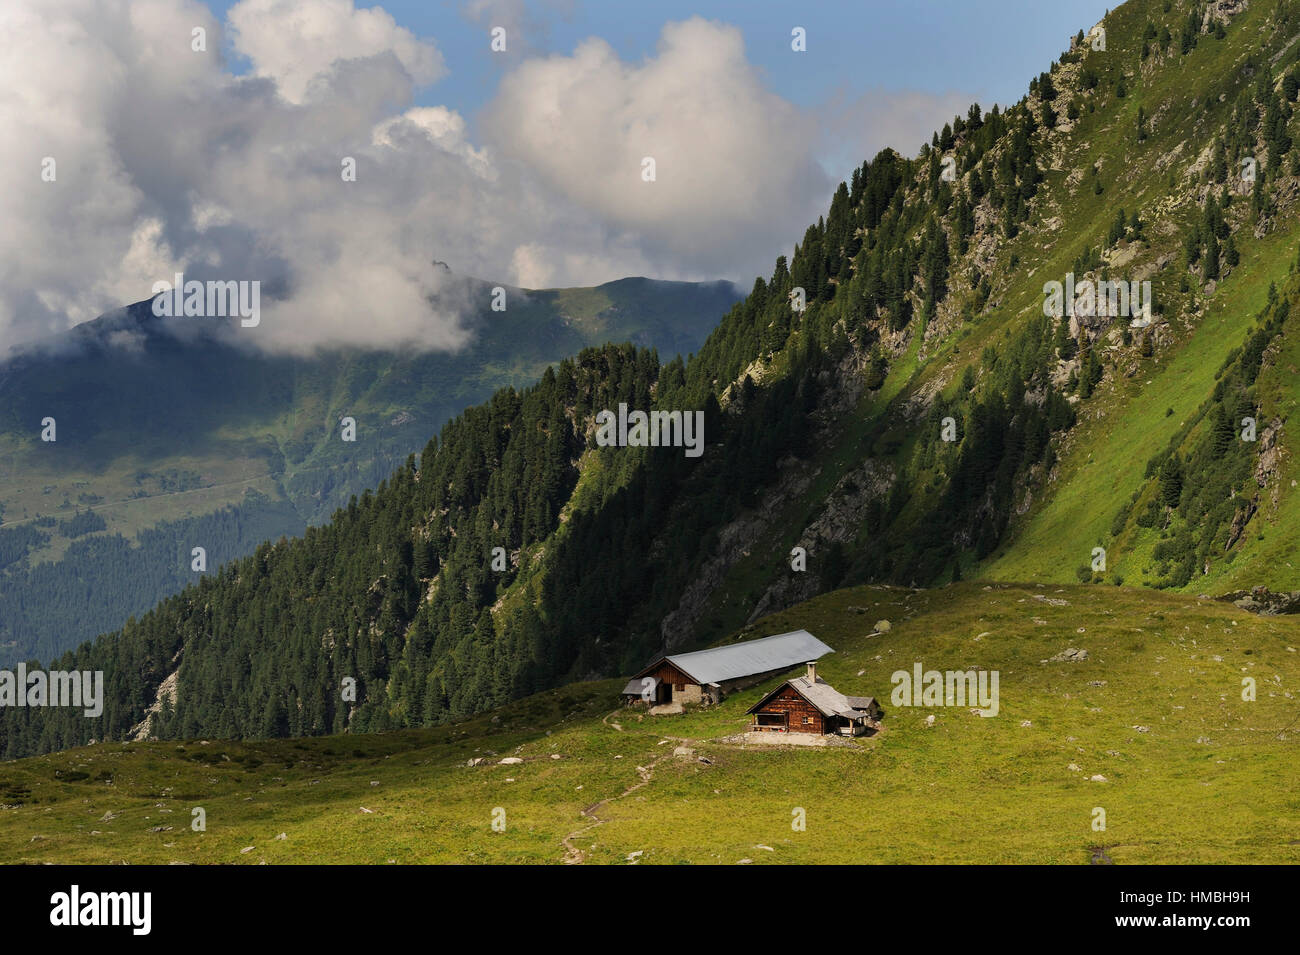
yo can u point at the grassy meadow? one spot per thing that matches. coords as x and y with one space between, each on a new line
1192 773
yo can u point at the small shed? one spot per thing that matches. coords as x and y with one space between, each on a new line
808 704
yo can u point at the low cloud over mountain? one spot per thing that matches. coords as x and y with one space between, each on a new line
170 159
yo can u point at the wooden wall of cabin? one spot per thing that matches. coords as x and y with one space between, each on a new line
670 679
667 673
796 708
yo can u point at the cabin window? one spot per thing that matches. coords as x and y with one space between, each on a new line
807 719
771 719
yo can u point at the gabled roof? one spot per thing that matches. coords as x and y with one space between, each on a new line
828 700
767 655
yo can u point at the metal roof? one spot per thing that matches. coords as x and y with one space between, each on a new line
751 657
828 700
822 695
637 687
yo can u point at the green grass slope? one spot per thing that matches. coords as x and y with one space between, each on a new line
1188 102
1192 773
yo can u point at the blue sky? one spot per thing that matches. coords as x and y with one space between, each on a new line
984 51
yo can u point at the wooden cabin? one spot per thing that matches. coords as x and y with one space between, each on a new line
808 704
706 676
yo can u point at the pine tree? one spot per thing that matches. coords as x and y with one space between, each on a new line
1211 269
1171 481
1223 432
1066 346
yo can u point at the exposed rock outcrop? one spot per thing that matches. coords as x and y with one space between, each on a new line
166 691
1263 601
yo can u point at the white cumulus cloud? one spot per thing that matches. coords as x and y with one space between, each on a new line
733 162
168 160
293 42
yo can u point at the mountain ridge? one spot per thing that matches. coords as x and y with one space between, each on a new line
177 434
913 307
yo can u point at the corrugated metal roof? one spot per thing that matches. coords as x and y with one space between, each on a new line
781 652
828 700
637 686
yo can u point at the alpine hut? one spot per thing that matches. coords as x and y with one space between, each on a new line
706 676
808 704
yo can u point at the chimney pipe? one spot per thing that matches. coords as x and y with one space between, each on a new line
812 671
